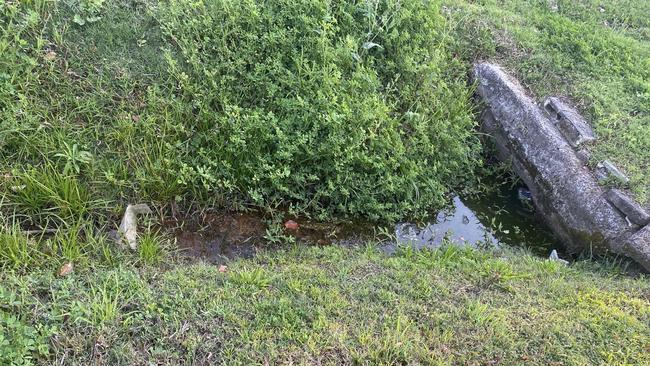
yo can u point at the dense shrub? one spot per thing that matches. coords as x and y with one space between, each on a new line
347 107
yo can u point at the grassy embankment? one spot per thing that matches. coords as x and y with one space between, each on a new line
104 103
595 52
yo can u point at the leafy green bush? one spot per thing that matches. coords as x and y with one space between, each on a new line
328 108
339 107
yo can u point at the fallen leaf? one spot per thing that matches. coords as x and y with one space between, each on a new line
66 269
223 268
291 225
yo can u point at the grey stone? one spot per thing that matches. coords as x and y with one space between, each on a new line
524 194
635 213
584 155
555 257
570 123
607 169
565 193
638 247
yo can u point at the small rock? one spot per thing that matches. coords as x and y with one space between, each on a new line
66 269
291 225
584 155
50 55
555 257
524 195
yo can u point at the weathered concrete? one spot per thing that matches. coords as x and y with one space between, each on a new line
570 123
638 247
606 169
634 212
565 192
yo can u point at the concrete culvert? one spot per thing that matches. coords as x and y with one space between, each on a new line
541 144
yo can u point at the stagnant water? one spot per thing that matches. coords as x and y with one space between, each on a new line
503 217
494 219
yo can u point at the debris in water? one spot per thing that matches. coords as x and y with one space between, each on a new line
66 269
555 257
129 225
291 225
524 195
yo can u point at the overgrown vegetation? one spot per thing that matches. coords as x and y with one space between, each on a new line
352 109
322 108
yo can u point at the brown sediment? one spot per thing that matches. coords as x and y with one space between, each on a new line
219 236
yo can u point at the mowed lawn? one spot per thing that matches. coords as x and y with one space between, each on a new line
329 305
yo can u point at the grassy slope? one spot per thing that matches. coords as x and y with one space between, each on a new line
306 305
127 112
333 305
595 52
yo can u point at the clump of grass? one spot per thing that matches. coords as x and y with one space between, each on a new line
70 244
152 247
46 195
17 250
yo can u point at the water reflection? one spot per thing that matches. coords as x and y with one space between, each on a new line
503 217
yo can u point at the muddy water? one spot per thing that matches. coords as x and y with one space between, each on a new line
495 219
220 236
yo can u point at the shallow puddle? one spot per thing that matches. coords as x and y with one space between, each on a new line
504 217
500 218
218 237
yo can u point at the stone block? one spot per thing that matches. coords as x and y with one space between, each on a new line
607 169
634 212
573 127
638 247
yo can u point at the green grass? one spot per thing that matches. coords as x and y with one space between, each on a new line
309 305
130 102
597 53
339 110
